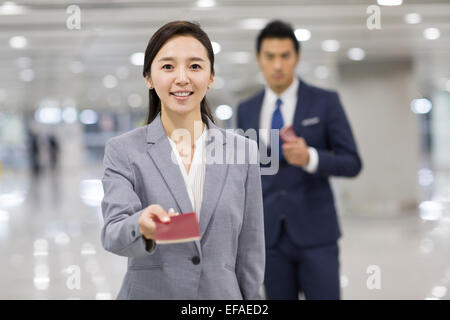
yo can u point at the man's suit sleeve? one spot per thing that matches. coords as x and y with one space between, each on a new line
250 262
121 207
342 158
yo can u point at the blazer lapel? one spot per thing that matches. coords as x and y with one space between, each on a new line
159 149
215 176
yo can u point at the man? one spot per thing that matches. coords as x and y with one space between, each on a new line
301 225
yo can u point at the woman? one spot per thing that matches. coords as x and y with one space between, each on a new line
155 168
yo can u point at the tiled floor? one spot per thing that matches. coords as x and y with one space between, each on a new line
50 244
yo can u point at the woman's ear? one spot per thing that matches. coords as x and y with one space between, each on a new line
148 83
211 81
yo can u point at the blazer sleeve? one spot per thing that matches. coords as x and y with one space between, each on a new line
342 159
250 262
121 207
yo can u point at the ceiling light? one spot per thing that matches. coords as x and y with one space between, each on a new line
356 54
216 47
69 115
389 2
206 3
431 33
10 8
137 58
224 112
88 117
421 106
330 45
302 34
413 18
253 24
18 42
48 115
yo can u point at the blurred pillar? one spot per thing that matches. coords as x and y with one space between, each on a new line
377 98
441 130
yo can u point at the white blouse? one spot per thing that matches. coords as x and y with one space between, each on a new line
195 179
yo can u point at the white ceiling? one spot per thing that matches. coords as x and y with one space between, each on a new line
112 30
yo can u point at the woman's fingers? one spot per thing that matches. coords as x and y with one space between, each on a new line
158 212
172 212
147 226
147 223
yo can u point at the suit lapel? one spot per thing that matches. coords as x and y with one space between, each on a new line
302 107
255 115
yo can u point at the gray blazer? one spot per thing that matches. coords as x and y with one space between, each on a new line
228 262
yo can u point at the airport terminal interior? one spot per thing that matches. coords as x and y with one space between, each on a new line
71 78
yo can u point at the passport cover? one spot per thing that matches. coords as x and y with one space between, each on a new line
287 134
181 228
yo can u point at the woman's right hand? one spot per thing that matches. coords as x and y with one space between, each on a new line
147 225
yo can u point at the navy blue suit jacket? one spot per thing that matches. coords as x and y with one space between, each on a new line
305 200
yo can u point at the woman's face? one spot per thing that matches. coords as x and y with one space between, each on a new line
180 74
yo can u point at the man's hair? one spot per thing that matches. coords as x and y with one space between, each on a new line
277 29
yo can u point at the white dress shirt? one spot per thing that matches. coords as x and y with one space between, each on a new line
287 108
195 179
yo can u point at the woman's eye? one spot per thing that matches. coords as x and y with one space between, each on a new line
167 66
196 66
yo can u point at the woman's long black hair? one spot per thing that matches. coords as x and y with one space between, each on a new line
165 33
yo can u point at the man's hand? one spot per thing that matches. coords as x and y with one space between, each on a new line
296 152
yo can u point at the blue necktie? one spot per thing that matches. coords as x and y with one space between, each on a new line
277 122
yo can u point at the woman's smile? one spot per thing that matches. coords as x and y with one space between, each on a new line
181 95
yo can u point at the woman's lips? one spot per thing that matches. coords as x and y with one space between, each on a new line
181 98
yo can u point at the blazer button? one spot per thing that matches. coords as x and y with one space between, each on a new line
133 233
195 260
283 192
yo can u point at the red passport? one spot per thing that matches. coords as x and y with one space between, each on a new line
181 228
287 134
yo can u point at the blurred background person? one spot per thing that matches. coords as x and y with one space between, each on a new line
301 224
53 148
34 152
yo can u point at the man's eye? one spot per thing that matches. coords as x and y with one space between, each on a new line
167 66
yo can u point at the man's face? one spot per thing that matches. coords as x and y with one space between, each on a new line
278 59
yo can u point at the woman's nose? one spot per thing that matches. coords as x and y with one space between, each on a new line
181 76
